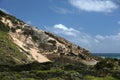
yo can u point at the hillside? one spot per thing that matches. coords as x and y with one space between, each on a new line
29 53
37 45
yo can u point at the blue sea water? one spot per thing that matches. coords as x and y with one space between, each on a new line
108 55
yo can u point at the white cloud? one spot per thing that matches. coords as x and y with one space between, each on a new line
62 10
97 43
61 26
4 10
99 37
94 5
108 43
62 29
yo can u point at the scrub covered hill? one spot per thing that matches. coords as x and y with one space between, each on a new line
23 44
28 53
9 52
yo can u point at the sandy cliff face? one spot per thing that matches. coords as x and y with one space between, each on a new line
37 44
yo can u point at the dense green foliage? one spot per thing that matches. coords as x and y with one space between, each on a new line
0 18
2 13
56 71
3 27
99 78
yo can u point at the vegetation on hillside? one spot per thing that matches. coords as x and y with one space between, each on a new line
13 63
9 52
59 70
3 27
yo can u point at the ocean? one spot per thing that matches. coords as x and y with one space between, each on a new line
108 55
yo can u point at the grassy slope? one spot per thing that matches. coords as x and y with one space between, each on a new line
99 78
9 52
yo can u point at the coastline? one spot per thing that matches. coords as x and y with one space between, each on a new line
108 55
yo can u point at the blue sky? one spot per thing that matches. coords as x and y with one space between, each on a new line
92 24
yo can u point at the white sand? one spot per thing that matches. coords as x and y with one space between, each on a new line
33 51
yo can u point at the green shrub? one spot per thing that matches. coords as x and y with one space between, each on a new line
0 18
2 13
107 64
13 30
52 41
49 73
3 27
99 78
28 79
54 79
